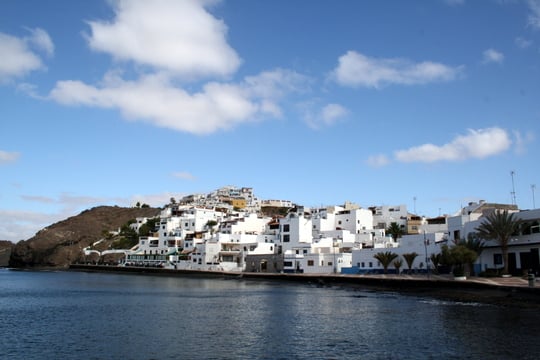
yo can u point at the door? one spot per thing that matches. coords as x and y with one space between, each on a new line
512 264
535 261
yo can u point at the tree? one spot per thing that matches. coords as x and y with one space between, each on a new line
499 226
398 263
409 259
473 243
435 260
148 227
210 225
385 258
457 256
395 231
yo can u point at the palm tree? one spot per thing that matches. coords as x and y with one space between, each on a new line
385 258
409 259
397 264
499 226
395 231
435 260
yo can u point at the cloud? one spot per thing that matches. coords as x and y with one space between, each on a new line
477 144
39 199
21 225
492 56
40 39
176 36
183 175
521 141
355 69
328 115
18 57
378 160
523 43
454 2
154 99
534 16
8 157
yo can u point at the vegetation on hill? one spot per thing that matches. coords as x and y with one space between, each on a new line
61 244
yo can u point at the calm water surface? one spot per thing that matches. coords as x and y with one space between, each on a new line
71 315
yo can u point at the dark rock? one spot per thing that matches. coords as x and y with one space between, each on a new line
5 252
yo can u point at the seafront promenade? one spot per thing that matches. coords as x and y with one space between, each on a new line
512 291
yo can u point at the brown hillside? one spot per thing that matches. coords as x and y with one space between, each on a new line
61 244
5 252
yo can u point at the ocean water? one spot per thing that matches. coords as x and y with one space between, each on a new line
76 315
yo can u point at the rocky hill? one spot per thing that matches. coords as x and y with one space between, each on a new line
5 252
61 244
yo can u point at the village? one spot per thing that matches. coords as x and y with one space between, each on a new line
231 230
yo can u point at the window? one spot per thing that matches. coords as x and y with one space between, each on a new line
286 228
305 251
370 264
339 222
286 238
287 263
310 263
363 264
297 252
497 259
329 263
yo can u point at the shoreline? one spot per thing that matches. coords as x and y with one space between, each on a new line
494 291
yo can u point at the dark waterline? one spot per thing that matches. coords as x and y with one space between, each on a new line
71 315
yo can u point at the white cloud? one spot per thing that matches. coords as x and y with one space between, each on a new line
324 116
184 175
41 40
521 141
522 43
18 58
21 225
534 16
332 112
8 157
154 99
176 36
476 144
454 2
355 69
378 160
493 56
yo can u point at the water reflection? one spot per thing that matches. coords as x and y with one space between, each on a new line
79 315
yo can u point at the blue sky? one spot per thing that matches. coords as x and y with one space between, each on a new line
318 102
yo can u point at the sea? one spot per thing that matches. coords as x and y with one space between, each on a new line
78 315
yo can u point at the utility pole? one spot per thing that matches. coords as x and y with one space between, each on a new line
533 187
513 193
414 200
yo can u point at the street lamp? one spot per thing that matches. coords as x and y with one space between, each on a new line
426 243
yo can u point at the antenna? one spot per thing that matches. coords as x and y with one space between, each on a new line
513 193
533 187
414 199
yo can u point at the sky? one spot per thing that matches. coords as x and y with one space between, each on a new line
429 104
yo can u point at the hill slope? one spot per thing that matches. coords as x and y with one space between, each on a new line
61 244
